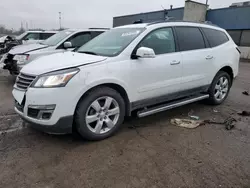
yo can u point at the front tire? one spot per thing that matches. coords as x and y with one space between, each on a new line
219 89
100 114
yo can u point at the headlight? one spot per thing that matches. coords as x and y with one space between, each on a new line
21 58
55 79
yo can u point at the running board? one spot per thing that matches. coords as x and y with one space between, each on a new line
171 105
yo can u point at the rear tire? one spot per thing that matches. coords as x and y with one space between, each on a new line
219 89
100 114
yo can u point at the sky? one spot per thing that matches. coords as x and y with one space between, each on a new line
82 13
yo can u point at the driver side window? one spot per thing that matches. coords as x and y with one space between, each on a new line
79 39
32 36
161 41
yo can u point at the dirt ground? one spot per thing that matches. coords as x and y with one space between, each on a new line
147 152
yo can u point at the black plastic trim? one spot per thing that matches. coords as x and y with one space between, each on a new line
63 126
167 98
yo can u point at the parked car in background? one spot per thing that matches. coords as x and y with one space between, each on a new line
142 68
28 37
66 40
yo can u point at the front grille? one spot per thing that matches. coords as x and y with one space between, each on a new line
23 81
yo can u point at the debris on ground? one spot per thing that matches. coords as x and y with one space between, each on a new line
245 93
215 110
195 117
190 114
229 123
244 113
186 123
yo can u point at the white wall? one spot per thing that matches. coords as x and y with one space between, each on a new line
245 52
194 11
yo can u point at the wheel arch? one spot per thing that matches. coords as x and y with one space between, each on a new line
117 87
228 70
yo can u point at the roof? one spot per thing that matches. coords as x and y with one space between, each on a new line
88 29
42 31
171 23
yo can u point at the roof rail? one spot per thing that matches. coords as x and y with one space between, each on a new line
173 20
98 28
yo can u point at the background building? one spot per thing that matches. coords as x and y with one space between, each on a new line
235 19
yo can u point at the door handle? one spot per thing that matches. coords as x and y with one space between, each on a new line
209 57
175 62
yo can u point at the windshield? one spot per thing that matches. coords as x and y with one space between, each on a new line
111 43
56 38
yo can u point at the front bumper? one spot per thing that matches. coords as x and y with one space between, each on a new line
62 126
61 119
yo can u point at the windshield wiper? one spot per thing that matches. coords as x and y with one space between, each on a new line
87 52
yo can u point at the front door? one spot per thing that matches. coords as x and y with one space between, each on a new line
159 76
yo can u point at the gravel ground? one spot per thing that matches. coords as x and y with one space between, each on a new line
148 152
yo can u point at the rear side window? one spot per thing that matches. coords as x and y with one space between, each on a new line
44 36
190 38
215 37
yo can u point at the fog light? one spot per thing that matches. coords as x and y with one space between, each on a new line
43 107
46 115
41 111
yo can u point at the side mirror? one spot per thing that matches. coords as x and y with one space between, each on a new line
67 45
144 52
26 39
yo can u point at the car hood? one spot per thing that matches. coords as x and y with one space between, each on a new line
60 61
25 48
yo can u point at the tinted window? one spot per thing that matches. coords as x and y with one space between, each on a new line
235 34
161 41
79 39
44 36
215 37
190 38
245 38
32 36
96 33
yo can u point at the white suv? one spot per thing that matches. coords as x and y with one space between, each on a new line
146 68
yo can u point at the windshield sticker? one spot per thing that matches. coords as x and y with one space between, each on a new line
130 33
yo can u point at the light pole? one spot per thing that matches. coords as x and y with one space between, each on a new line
60 20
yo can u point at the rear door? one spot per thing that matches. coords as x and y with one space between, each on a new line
197 57
223 52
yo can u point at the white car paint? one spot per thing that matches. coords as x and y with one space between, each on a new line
142 78
39 49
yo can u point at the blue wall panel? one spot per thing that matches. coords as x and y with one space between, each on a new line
230 18
148 17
